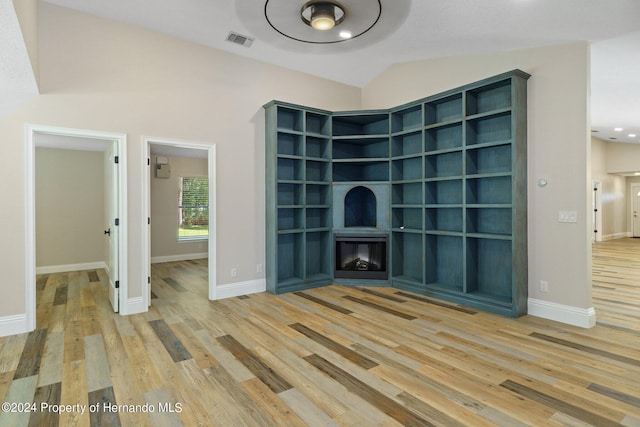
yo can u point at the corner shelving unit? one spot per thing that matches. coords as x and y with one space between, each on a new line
298 198
456 167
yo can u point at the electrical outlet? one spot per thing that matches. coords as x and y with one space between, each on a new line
258 268
544 286
234 272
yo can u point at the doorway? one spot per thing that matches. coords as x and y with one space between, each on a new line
64 138
167 147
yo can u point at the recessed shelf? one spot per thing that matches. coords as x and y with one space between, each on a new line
406 144
493 159
407 193
444 109
489 267
317 194
447 192
490 190
317 148
318 256
407 261
289 119
489 129
372 148
290 144
290 218
290 169
289 194
443 137
406 169
443 165
443 219
488 98
318 218
406 119
317 171
361 124
406 218
489 221
361 171
444 263
319 124
290 263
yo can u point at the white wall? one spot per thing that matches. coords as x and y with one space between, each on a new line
164 209
101 75
558 150
69 207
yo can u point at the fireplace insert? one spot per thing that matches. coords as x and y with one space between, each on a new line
361 256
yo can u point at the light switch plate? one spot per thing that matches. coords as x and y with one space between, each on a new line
567 216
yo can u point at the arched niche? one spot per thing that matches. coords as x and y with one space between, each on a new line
360 208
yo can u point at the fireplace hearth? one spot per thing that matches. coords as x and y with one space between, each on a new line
361 256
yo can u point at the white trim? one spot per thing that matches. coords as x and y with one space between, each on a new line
183 257
146 210
582 317
137 305
30 212
616 236
12 325
49 269
230 290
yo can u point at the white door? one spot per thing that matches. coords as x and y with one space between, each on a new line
112 230
635 193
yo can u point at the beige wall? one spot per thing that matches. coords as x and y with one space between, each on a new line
69 207
558 150
27 13
623 158
613 193
100 75
164 208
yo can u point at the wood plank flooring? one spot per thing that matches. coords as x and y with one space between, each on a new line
334 356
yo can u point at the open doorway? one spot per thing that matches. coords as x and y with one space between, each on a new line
181 226
115 195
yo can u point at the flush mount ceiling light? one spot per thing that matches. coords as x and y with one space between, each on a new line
286 24
322 15
322 22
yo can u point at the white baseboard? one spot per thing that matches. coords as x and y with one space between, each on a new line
616 236
50 269
12 325
183 257
135 306
230 290
582 317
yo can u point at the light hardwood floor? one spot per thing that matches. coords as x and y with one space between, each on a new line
329 356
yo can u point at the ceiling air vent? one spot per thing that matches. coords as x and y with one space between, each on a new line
239 39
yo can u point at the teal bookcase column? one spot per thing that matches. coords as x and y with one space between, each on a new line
448 175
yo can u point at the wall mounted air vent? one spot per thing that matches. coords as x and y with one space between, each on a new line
239 39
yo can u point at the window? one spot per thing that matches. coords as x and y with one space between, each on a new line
193 208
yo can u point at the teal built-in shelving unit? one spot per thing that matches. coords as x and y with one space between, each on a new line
449 173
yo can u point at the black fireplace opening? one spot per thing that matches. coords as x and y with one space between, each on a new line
361 256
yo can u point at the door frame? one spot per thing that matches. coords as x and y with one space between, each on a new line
147 141
596 211
634 188
31 130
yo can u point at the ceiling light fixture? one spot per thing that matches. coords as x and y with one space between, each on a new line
322 15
